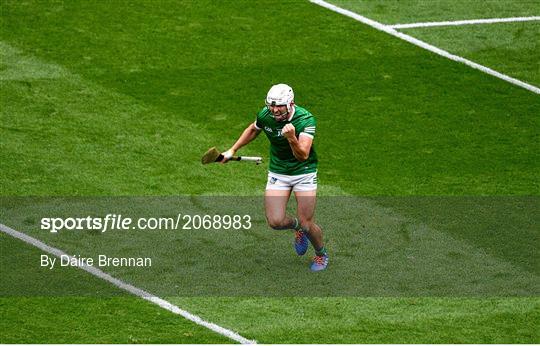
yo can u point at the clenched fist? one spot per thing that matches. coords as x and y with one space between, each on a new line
288 131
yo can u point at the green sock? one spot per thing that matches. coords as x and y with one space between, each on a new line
296 226
321 251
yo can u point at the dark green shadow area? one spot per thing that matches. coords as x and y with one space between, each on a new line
221 246
505 227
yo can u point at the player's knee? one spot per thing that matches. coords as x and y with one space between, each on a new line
275 223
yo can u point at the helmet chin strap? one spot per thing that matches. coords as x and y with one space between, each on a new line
285 113
290 110
282 114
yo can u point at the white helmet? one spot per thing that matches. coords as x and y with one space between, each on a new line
280 95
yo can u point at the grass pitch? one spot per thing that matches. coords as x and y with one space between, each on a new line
121 99
510 48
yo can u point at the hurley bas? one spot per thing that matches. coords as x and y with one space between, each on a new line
102 261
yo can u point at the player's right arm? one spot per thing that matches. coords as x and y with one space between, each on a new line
250 133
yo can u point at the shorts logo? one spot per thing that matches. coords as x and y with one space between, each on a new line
273 180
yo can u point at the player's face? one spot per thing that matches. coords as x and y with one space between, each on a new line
280 113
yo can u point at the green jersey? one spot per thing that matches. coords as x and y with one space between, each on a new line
282 160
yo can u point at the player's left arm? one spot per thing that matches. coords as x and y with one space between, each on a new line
300 146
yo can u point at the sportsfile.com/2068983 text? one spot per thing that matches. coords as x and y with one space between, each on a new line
120 222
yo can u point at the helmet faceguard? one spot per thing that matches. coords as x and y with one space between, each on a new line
280 95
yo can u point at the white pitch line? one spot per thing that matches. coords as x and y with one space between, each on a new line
129 288
464 22
424 45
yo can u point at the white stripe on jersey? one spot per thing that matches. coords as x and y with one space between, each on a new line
306 134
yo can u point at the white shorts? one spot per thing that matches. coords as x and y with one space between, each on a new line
302 182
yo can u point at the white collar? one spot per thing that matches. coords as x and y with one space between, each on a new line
292 113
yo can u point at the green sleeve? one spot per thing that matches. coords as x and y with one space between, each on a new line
310 126
258 121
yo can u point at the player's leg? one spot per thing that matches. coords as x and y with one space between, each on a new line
306 197
306 201
276 197
275 205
